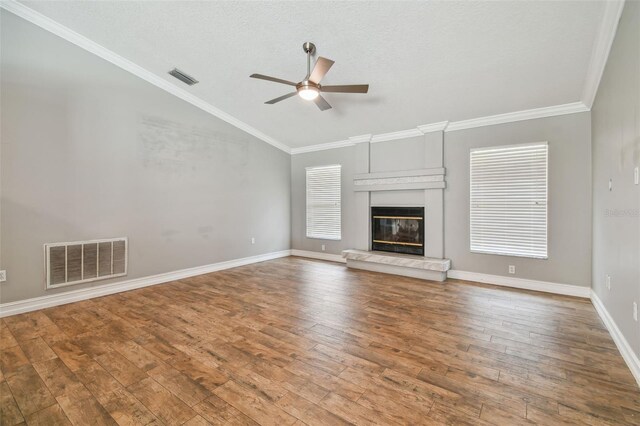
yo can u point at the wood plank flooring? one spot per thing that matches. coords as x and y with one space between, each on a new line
295 341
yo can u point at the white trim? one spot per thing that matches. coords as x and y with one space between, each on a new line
79 40
544 286
395 181
318 255
392 136
417 172
434 127
623 345
601 49
511 117
530 114
322 147
360 139
28 305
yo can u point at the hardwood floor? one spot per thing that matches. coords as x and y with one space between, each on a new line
296 341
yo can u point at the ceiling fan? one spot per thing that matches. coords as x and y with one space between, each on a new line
310 88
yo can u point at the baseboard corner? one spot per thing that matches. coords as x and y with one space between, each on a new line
627 352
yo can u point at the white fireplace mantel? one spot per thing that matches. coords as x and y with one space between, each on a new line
400 181
423 187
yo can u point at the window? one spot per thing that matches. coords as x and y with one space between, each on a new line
509 200
323 202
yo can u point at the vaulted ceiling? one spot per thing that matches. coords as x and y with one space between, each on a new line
425 61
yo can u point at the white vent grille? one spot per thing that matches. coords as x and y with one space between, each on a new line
85 261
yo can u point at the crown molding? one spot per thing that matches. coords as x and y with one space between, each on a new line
351 141
511 117
434 127
360 139
601 49
71 36
410 133
322 147
392 136
447 126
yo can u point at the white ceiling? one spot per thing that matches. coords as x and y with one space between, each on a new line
425 61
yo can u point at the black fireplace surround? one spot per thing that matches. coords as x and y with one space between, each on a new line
398 229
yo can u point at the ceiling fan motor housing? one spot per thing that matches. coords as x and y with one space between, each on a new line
307 84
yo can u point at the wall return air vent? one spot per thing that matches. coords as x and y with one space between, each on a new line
84 261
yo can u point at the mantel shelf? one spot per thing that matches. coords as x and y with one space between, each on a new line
402 180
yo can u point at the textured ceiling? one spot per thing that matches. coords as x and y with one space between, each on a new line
425 61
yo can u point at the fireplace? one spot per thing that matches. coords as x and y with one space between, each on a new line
398 229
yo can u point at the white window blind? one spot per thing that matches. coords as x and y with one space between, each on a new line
509 200
323 202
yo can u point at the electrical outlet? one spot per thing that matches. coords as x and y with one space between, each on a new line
324 247
609 282
253 240
635 311
3 276
512 269
636 176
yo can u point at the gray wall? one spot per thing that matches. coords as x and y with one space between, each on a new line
569 138
616 151
569 211
347 158
90 151
407 154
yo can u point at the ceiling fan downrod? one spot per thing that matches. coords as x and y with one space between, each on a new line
309 48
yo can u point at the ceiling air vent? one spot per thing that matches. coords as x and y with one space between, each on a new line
85 261
183 77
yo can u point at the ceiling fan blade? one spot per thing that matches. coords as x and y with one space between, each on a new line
274 79
347 88
281 98
322 103
320 69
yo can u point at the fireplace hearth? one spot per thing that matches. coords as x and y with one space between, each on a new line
398 229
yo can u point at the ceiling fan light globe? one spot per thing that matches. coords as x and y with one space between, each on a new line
308 93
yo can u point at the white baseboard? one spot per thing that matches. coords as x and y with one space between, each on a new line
544 286
318 255
28 305
623 345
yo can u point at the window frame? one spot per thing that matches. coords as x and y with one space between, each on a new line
318 236
476 250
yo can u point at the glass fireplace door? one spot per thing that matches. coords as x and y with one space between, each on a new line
398 229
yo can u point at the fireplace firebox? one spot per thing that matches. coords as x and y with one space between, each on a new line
398 229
